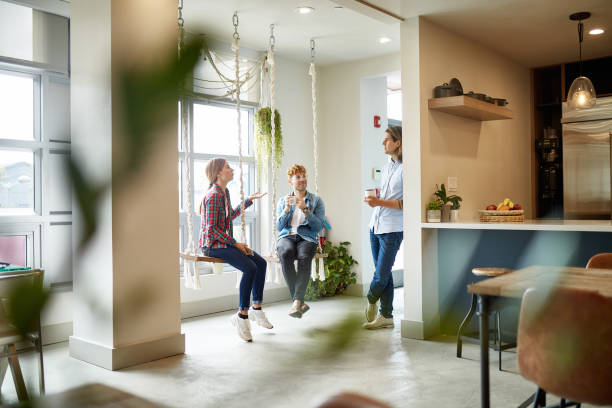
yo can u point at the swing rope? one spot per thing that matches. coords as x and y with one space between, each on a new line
192 277
313 73
271 62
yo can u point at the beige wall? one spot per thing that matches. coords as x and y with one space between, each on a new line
491 159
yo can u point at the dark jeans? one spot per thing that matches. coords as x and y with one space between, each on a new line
289 249
384 248
253 270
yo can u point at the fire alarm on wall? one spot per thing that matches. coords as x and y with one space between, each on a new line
376 121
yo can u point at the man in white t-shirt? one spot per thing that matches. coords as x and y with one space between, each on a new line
299 218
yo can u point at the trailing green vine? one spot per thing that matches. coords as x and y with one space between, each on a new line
338 277
263 140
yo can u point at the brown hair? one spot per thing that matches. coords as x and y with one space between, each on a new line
396 134
296 169
213 168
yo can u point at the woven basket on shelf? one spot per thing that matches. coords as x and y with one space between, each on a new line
502 216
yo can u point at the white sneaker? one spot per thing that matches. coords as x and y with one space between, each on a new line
243 326
260 317
371 311
380 322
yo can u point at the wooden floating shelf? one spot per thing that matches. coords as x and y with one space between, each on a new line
470 108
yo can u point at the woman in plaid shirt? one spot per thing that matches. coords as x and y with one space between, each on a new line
216 240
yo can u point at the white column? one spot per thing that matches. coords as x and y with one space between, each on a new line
421 317
126 282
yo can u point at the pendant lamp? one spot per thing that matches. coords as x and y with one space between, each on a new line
581 94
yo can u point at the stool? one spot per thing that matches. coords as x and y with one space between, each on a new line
469 337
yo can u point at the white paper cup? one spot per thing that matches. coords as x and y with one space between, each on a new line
217 268
371 192
291 200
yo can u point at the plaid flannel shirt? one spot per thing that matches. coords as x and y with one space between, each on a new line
216 229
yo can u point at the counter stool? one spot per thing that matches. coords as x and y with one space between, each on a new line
473 336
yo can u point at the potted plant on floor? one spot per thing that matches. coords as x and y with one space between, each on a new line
451 201
434 211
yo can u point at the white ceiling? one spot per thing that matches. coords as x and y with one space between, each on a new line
532 32
340 35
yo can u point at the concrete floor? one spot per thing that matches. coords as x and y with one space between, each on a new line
286 366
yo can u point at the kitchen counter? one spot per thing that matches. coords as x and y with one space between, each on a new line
528 225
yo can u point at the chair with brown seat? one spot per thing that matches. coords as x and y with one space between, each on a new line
11 338
564 345
497 331
602 261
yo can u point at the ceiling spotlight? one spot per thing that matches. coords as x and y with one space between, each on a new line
304 10
596 31
384 40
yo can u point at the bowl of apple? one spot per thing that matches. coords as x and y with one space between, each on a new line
505 211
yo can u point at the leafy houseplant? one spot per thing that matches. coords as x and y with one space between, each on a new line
263 139
434 211
454 200
338 266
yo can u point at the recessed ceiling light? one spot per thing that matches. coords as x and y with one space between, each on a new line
304 10
384 40
338 8
596 31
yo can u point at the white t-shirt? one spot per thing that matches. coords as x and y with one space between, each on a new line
297 220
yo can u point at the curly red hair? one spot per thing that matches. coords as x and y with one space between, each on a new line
296 169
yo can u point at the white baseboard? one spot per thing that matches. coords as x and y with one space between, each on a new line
56 333
117 358
420 330
225 303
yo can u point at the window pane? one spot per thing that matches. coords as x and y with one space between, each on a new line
201 183
13 250
215 130
16 182
16 107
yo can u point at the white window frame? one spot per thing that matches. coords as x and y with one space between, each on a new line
35 226
252 218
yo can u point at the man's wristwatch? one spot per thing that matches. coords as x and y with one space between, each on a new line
306 211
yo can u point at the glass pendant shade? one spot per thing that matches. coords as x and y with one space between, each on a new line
581 94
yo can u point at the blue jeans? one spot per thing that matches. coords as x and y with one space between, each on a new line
384 248
253 270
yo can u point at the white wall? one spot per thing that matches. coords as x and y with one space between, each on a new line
342 151
15 31
373 102
50 40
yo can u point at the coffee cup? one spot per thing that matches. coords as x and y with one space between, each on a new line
370 192
291 200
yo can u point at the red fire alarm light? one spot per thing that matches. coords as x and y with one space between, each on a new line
376 121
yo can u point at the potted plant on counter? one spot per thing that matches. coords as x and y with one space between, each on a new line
434 211
453 200
454 210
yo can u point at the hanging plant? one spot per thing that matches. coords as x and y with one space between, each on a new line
263 140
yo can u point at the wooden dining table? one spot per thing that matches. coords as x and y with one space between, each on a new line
514 285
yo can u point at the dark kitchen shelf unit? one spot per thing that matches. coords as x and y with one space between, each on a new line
549 91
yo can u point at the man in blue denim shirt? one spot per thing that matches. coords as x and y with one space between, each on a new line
386 232
299 218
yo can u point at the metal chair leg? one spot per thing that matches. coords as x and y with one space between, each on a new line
464 323
41 366
499 338
540 399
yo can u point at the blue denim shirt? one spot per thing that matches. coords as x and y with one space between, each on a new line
312 224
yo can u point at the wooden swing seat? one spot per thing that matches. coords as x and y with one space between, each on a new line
200 258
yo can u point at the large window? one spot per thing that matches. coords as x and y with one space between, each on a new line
214 130
19 121
35 196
